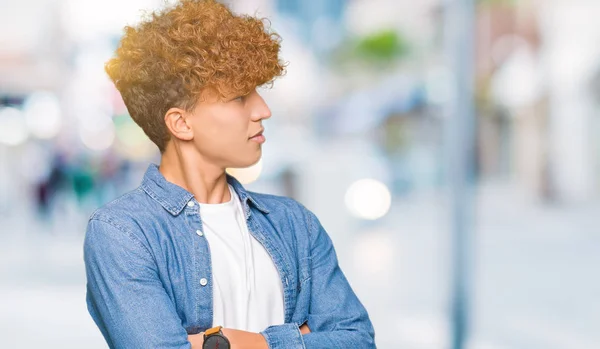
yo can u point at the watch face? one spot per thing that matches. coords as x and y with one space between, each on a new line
216 341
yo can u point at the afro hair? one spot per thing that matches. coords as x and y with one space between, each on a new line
176 55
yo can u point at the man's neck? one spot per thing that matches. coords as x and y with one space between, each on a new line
206 181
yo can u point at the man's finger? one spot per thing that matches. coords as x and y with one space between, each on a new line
304 329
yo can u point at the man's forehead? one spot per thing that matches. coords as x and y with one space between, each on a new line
210 94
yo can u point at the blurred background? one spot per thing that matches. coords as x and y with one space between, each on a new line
359 134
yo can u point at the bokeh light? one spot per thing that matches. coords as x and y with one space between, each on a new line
368 199
43 115
100 138
13 129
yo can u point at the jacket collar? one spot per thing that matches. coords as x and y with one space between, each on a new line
174 198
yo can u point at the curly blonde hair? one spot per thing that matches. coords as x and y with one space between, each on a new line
183 51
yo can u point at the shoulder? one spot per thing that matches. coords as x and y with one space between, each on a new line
120 206
125 213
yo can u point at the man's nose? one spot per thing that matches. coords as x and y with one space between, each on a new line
260 109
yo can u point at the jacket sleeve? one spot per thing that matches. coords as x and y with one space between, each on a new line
125 296
336 318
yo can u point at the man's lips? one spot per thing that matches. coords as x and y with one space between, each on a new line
259 133
258 137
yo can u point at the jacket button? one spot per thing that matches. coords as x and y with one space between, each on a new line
191 204
203 281
199 232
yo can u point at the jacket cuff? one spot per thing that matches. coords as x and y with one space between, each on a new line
286 336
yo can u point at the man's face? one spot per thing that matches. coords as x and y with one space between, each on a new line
223 131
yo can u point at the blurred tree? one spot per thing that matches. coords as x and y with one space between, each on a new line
380 49
386 45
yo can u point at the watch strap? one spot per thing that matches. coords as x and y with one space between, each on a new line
213 330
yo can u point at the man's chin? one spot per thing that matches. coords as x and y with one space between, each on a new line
247 163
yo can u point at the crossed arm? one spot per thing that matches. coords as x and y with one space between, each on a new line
239 339
128 302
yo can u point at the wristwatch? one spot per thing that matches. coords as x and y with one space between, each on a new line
214 339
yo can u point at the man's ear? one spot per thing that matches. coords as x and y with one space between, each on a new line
177 124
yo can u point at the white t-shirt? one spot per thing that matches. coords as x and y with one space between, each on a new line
247 289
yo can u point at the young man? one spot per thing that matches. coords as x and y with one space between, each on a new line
190 249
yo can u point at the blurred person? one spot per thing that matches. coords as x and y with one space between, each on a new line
48 188
84 179
270 278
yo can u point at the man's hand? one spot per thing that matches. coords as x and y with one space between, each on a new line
196 340
304 329
245 340
239 339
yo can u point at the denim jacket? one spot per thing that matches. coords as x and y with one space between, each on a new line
149 281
